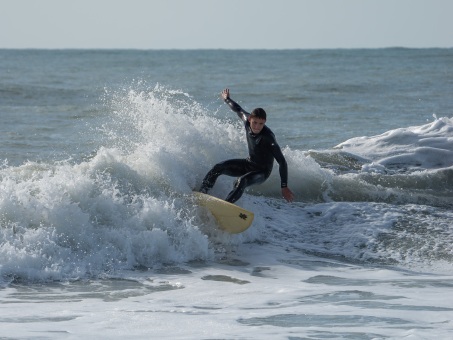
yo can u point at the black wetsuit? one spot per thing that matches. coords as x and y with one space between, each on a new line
263 149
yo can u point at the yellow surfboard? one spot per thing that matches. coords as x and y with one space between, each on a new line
229 216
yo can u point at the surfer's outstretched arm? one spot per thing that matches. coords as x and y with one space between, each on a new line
234 106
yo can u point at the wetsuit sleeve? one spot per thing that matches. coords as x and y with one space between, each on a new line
238 109
278 155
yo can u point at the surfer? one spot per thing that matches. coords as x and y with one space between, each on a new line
255 169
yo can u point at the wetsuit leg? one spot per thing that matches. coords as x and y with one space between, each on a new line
232 167
254 177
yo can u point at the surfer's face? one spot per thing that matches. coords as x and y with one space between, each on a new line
256 124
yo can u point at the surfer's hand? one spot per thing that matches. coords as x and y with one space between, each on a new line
226 94
287 194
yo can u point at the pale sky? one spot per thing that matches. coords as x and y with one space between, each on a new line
233 24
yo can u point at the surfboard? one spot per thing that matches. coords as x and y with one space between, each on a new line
229 216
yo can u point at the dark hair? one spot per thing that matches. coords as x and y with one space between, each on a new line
258 113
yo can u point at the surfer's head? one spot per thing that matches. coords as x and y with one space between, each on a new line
258 113
257 120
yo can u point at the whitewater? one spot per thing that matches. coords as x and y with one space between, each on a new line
100 235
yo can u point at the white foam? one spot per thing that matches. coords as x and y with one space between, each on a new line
129 204
418 147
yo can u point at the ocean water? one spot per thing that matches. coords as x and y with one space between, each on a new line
101 238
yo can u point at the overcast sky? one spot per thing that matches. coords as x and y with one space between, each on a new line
234 24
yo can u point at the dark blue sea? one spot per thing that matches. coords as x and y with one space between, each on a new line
100 151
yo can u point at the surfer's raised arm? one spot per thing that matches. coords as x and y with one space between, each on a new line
234 106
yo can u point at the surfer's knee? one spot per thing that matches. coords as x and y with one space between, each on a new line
218 168
241 182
